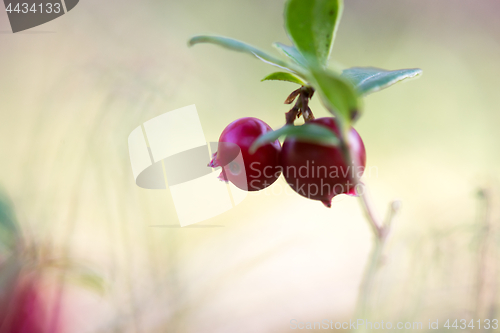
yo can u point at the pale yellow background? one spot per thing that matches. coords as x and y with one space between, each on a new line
71 91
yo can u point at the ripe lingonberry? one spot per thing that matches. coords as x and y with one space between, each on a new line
250 172
22 309
319 172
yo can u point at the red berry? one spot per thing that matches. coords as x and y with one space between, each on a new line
319 172
24 310
250 172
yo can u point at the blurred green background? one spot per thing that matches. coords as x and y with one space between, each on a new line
73 89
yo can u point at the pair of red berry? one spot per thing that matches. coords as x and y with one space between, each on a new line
314 171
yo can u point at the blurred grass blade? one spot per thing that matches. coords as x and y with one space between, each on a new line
370 79
79 274
10 236
9 230
236 45
292 53
282 76
312 25
9 273
88 280
308 132
338 95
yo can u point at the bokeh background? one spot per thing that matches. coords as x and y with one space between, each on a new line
73 89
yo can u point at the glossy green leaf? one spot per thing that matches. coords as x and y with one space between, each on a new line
292 53
338 95
308 132
283 76
370 79
236 45
312 25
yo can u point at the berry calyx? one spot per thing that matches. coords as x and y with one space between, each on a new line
319 172
250 172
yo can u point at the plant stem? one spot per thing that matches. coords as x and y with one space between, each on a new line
380 231
376 226
486 275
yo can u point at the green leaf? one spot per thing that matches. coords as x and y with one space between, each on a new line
292 53
312 25
338 95
282 76
370 79
236 45
308 132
